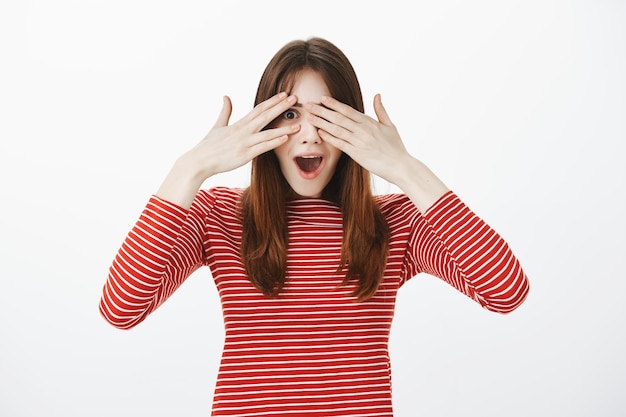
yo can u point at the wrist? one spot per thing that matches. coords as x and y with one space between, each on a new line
181 184
405 170
419 183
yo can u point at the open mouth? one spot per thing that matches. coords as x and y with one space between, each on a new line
309 163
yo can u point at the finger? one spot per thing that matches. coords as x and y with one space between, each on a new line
270 134
336 129
224 116
270 114
266 145
270 102
340 107
332 116
381 113
338 143
265 112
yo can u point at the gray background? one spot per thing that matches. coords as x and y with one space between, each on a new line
518 105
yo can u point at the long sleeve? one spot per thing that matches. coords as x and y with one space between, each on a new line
161 250
454 244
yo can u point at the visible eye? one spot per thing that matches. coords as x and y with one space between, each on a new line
290 115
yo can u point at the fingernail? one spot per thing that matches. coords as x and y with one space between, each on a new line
282 94
292 98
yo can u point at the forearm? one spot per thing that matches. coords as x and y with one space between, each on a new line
183 181
137 281
418 182
472 257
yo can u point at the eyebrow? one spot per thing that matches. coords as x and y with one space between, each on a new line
298 104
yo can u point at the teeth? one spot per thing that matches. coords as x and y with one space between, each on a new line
309 156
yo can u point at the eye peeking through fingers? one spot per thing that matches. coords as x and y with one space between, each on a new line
289 115
285 118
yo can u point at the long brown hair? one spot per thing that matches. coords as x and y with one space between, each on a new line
265 237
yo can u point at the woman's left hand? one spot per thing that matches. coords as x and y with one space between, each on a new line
374 144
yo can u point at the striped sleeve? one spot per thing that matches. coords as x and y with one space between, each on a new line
454 244
161 250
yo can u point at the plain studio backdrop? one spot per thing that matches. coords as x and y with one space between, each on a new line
519 106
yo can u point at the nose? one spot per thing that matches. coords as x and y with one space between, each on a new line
308 133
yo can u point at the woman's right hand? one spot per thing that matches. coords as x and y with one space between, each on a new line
227 147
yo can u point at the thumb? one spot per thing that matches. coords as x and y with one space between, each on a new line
381 113
227 108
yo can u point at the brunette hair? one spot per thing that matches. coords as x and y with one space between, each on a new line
265 237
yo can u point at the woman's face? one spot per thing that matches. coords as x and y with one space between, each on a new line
307 162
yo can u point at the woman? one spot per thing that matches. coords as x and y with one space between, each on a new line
306 260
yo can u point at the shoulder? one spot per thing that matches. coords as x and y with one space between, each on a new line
215 195
217 198
398 210
395 204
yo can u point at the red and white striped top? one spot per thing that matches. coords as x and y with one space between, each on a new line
313 351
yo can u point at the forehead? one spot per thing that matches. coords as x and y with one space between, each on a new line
309 85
